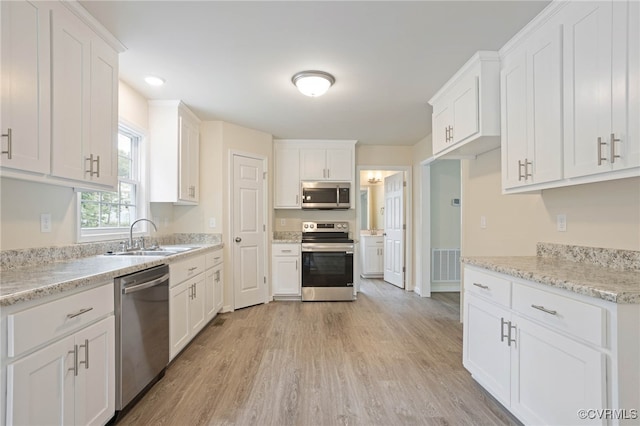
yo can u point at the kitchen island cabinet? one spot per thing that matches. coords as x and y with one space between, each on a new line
546 352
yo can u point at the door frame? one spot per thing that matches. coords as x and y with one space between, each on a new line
265 216
409 285
423 245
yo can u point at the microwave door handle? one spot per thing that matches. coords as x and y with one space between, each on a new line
337 195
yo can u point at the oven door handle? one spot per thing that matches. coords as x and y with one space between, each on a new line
318 248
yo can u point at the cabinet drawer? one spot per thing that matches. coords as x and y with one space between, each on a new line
186 269
577 318
37 325
286 249
212 259
488 286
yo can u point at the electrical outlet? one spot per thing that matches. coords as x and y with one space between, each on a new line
283 222
212 222
483 222
561 222
45 222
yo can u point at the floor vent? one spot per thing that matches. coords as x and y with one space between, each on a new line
445 265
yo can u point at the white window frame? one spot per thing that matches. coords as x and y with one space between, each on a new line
142 198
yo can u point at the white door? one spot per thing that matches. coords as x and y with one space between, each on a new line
393 229
248 231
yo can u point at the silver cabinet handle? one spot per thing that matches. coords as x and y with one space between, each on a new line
297 198
446 134
75 360
520 165
97 172
527 175
90 160
195 291
502 324
450 133
238 239
8 135
286 251
80 312
191 291
545 310
193 268
482 286
510 341
296 265
86 354
613 148
600 157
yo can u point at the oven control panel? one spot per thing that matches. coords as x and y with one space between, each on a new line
325 226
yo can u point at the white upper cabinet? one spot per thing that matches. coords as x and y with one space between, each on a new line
327 161
26 90
466 112
299 160
601 75
570 92
84 103
175 153
531 102
287 175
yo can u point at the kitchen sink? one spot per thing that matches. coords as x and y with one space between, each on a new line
160 252
146 253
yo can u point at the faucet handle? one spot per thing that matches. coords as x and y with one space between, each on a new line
123 245
140 243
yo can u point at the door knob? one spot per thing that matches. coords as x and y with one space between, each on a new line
238 239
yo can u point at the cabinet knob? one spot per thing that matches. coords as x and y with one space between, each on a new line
238 239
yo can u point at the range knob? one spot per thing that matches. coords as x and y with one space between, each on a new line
306 225
312 226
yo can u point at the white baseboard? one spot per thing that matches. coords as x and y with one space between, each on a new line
444 287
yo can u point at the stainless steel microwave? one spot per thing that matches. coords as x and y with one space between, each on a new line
326 195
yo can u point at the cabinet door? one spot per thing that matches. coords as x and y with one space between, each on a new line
104 113
513 83
286 276
587 87
626 84
287 177
544 100
313 164
486 353
184 181
441 122
26 86
209 294
373 259
339 164
95 382
179 298
218 288
554 377
465 110
71 50
194 161
40 387
196 307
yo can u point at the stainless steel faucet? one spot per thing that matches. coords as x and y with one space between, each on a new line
131 229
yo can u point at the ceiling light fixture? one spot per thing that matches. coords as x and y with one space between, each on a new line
313 83
152 80
374 179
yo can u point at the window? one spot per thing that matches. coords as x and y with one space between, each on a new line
108 215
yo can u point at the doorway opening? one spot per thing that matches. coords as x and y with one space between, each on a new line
383 224
441 227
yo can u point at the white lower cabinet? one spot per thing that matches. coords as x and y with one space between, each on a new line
546 354
70 381
286 272
186 312
372 256
195 297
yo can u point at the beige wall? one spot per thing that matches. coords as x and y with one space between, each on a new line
23 202
383 155
445 218
605 214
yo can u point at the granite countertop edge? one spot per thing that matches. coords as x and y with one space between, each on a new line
109 267
557 274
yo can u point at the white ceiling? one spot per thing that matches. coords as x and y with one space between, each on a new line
234 60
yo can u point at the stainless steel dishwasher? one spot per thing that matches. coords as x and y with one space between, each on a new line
142 332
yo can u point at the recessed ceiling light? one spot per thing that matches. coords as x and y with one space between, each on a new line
313 83
152 80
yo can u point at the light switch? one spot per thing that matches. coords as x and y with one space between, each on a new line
483 222
212 222
561 222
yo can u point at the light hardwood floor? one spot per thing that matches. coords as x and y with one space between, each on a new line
389 358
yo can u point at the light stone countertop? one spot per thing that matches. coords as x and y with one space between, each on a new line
286 241
34 282
618 286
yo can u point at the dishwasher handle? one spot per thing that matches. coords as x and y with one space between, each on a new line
148 284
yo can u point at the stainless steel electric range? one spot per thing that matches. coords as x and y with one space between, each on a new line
327 262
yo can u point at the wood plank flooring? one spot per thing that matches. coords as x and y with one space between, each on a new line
389 358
